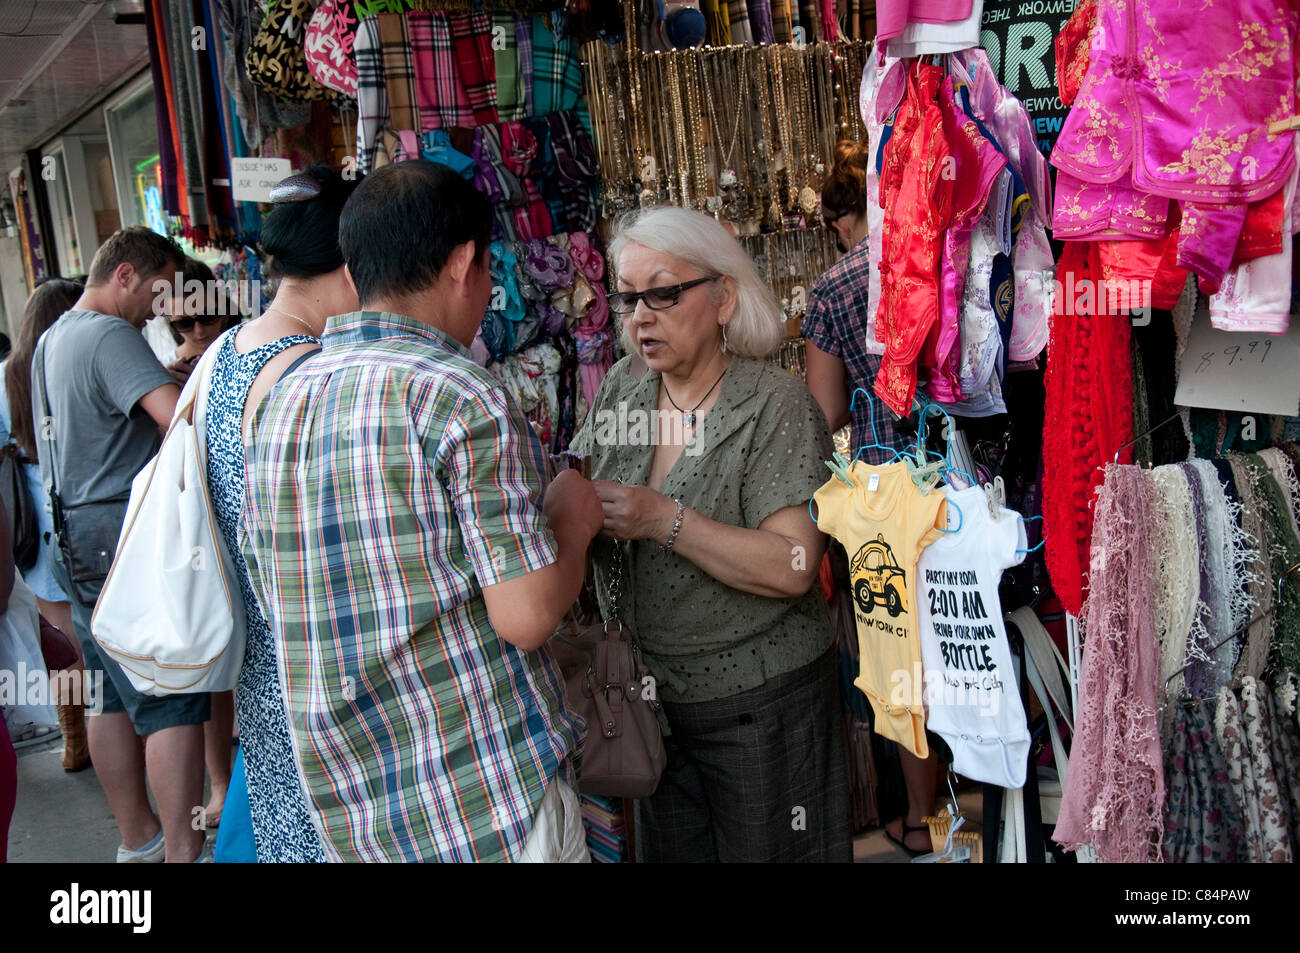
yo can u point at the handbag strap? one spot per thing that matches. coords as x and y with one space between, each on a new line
42 429
192 405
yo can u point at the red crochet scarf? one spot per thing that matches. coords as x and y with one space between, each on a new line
1089 414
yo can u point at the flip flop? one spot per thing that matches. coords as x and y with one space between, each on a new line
908 829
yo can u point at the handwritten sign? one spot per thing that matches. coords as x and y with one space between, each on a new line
1232 370
251 179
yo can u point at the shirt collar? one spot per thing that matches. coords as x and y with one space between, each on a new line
739 384
365 326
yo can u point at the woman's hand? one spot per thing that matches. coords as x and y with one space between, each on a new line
635 512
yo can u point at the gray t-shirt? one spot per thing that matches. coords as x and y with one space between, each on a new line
97 367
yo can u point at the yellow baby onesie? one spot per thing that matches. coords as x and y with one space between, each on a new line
884 522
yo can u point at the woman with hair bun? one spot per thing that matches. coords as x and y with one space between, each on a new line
300 239
843 355
705 457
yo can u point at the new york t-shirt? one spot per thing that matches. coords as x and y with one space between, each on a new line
884 522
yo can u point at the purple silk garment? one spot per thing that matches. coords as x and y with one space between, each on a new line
1179 116
760 21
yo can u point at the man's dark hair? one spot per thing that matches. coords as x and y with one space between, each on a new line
144 249
403 222
300 239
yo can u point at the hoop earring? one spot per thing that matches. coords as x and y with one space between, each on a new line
724 339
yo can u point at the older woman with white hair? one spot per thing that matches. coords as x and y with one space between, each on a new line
704 457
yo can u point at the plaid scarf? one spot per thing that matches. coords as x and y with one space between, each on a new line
782 27
399 72
575 168
443 102
372 93
741 34
510 90
524 43
471 39
760 19
557 73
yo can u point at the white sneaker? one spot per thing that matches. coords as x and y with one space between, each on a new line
153 852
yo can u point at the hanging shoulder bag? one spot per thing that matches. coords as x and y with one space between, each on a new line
18 503
171 613
86 533
608 684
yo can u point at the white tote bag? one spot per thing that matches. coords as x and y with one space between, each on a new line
24 682
171 613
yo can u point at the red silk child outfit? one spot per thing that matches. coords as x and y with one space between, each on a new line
976 165
917 199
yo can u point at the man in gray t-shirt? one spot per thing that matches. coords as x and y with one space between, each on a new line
97 368
101 401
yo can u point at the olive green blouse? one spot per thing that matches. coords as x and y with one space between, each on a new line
760 448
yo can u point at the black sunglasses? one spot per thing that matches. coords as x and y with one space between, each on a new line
656 299
182 325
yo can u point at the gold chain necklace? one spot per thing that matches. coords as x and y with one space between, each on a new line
289 314
735 132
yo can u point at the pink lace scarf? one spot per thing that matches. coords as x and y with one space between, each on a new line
1115 789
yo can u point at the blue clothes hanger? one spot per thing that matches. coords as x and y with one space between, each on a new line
997 494
875 436
1041 543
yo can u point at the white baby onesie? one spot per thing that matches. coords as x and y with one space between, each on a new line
971 695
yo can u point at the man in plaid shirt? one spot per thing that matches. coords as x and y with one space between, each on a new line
397 538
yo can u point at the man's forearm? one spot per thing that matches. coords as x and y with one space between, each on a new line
570 569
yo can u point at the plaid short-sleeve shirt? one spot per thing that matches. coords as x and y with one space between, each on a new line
839 321
389 479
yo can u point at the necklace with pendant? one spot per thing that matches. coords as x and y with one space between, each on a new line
688 416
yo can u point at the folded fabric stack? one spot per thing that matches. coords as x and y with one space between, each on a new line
602 817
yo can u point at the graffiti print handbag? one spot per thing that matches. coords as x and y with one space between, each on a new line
276 59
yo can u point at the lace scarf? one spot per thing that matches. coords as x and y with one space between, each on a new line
1174 539
1226 556
1282 552
1259 636
1114 792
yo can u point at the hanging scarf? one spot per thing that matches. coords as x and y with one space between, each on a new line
1114 792
1259 636
1175 543
1203 820
1282 550
1089 414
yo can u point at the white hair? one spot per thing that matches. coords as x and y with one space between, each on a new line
757 325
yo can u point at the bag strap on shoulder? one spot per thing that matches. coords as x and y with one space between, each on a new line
298 362
44 432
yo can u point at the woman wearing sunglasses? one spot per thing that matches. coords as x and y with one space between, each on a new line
704 457
197 317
